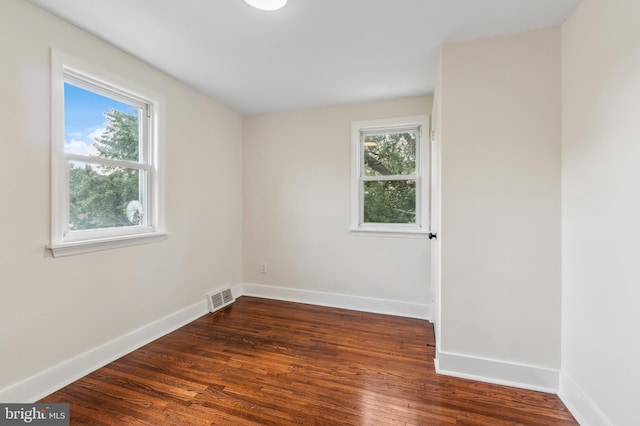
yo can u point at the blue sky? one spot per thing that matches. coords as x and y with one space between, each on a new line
84 117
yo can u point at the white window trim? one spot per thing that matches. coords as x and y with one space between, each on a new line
421 228
91 241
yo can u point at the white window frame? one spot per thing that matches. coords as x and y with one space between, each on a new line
98 79
421 176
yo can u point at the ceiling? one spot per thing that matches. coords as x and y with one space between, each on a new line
310 53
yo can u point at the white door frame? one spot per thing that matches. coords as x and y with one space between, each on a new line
434 219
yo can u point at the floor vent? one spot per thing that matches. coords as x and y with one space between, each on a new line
219 299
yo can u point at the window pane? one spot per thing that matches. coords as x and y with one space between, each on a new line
97 125
104 197
390 201
390 154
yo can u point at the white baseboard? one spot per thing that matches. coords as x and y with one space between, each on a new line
469 367
334 300
46 382
498 372
585 411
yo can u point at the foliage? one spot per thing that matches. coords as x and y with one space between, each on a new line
390 200
120 138
99 194
390 154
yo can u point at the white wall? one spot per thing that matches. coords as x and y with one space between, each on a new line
52 309
601 210
500 232
297 170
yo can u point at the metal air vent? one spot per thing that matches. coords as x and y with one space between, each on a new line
219 299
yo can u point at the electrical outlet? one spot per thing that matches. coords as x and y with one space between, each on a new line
262 268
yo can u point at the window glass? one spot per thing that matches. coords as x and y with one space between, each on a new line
102 193
389 154
103 197
391 201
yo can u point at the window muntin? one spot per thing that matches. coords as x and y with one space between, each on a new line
389 179
106 186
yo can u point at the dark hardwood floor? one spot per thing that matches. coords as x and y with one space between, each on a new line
265 362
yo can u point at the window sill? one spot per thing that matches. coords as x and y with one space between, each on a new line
88 246
391 231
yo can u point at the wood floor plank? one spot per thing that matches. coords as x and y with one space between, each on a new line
266 362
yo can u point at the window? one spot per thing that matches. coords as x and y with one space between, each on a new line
390 184
105 174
